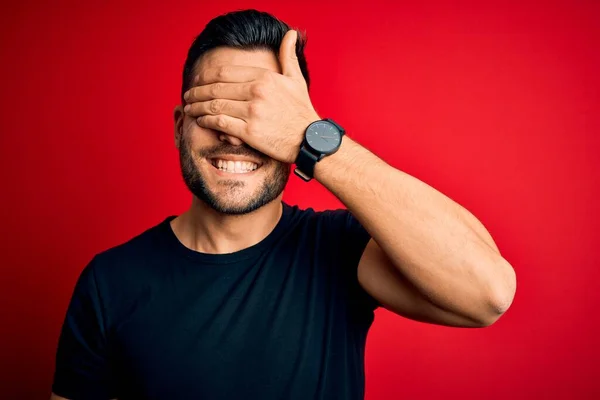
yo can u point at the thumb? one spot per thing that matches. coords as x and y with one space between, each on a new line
287 55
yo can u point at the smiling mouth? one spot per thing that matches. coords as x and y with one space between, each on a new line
234 167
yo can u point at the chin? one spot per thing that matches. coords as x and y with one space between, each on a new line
235 203
234 206
231 195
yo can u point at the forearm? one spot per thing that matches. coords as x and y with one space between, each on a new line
434 242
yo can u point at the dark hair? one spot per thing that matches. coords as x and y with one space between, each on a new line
245 30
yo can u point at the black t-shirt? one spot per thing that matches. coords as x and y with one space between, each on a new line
283 319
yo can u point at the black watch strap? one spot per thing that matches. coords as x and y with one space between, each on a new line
305 164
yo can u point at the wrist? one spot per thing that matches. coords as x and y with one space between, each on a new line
331 162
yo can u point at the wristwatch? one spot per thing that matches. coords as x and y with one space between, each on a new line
322 138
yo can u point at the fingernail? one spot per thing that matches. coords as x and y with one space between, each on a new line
196 78
186 95
187 108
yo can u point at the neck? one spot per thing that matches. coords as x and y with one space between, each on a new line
205 230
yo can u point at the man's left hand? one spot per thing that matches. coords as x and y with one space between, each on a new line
267 110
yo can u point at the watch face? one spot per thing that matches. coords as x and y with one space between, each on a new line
323 137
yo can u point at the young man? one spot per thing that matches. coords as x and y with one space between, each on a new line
246 297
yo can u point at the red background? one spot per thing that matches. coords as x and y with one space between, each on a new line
494 105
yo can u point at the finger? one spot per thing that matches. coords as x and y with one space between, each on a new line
219 90
223 123
230 74
287 55
233 108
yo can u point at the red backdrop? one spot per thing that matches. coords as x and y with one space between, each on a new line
495 106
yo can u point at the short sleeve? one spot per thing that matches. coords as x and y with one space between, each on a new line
354 240
82 361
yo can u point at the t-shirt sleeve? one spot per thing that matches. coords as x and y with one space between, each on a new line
82 362
354 239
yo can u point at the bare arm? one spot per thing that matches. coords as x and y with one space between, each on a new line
429 258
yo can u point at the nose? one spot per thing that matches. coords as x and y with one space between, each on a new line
231 139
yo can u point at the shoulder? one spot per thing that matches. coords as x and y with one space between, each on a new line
309 214
143 246
115 277
340 220
130 264
332 223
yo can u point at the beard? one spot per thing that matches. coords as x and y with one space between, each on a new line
270 188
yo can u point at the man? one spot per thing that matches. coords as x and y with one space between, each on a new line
246 297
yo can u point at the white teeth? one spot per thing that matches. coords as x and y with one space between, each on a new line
236 167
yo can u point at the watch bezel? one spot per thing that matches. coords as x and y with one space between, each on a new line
320 153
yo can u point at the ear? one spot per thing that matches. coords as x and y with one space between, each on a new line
178 116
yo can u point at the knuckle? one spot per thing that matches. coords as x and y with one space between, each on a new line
251 128
221 121
215 89
204 76
222 72
258 90
215 106
254 109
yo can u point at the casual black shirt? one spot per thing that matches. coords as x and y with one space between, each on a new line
283 319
